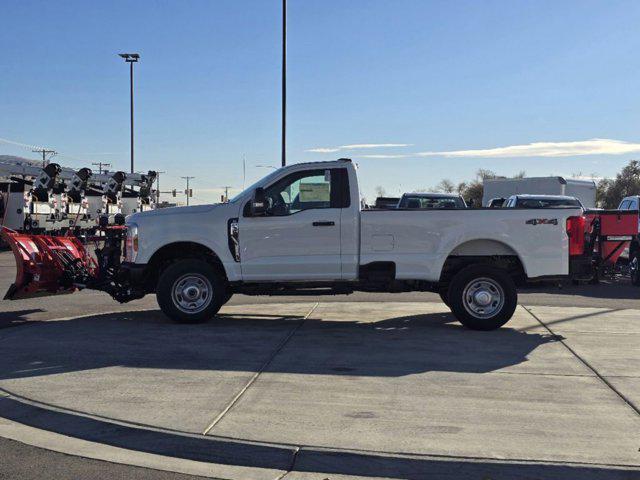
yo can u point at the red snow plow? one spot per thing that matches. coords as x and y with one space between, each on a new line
52 265
45 265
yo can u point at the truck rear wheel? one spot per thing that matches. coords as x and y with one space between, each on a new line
190 291
482 297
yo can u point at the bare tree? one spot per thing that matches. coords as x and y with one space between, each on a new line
380 191
446 186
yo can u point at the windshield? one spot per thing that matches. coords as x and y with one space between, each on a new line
263 181
548 202
425 202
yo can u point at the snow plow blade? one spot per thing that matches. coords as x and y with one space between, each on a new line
45 265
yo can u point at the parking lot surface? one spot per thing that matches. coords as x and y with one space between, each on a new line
320 388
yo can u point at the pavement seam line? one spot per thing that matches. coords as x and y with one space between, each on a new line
291 467
586 364
259 372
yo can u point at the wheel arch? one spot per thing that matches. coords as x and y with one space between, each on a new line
173 251
484 251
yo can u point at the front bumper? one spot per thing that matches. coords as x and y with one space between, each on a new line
133 273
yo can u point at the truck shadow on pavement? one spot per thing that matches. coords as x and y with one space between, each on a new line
17 317
290 458
387 348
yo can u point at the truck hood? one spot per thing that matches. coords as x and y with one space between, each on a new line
162 212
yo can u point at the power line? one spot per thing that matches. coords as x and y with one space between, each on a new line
18 144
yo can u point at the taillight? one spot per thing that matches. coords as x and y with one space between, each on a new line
575 232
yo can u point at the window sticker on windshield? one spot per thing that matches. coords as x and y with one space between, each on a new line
327 175
314 192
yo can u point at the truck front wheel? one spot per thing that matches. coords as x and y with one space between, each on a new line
190 291
634 267
482 297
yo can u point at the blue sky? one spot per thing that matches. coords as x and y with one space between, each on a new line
450 81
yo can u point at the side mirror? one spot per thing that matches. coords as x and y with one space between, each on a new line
258 205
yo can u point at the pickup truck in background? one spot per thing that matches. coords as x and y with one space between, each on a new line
301 230
541 201
431 201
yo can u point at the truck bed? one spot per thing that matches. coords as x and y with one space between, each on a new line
420 241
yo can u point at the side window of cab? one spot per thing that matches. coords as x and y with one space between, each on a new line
308 190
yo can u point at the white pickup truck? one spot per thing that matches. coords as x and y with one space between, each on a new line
302 230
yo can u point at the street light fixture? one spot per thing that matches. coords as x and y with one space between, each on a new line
131 58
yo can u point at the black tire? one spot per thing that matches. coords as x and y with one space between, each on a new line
227 297
444 295
199 298
634 268
491 285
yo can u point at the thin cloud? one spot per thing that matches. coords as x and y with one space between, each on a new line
357 146
595 146
382 156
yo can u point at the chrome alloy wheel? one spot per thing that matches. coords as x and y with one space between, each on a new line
192 293
483 298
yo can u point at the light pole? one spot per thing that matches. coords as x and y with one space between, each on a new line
131 58
284 82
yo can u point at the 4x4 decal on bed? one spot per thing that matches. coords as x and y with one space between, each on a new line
542 221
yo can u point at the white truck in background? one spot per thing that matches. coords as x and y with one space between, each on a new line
584 190
301 230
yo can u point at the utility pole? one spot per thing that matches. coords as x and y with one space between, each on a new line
45 152
158 192
226 193
131 58
100 165
284 82
187 191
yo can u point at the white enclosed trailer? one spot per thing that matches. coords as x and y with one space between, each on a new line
584 190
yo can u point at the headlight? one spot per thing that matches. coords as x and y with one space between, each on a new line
131 243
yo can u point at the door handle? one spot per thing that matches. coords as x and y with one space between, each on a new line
324 224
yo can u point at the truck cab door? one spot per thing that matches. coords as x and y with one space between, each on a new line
298 238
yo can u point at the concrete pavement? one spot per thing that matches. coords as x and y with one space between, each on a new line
334 390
